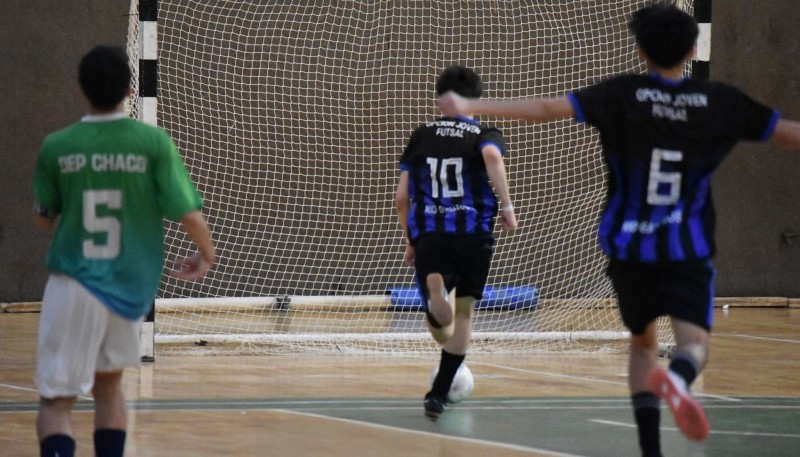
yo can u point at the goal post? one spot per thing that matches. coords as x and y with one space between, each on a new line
291 118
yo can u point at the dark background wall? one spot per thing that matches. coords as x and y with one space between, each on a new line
41 42
755 190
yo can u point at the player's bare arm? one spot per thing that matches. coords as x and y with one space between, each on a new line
43 218
45 223
529 109
495 168
401 204
787 134
195 267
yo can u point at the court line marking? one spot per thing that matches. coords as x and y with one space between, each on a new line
15 387
765 338
551 374
33 389
586 379
360 404
716 397
496 444
713 432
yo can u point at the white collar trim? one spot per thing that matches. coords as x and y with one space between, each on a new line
104 117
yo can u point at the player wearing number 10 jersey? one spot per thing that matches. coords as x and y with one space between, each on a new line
105 183
449 189
663 135
446 207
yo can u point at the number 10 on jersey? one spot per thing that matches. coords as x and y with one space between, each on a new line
446 173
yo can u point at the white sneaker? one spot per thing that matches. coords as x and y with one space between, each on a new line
688 414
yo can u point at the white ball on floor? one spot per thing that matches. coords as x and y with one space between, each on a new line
462 385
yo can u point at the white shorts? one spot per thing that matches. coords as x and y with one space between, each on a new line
78 336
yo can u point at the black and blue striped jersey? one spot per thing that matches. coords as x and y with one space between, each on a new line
449 189
661 141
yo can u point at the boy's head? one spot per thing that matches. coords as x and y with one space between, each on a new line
460 80
664 33
105 76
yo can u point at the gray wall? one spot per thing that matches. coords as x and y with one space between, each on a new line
755 191
757 188
41 42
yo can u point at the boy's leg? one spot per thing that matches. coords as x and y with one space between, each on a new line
433 270
691 355
646 406
120 349
440 305
54 427
462 329
635 285
688 295
71 329
672 385
110 415
109 402
440 333
643 357
453 353
473 257
469 265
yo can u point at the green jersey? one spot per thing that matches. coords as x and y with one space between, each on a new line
112 180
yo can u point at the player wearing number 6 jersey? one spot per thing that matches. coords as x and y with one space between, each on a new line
105 183
663 135
447 206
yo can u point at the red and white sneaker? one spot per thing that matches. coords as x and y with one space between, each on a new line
688 414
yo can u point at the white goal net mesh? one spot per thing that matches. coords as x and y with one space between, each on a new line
292 116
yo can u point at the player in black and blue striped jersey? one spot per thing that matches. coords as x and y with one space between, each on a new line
663 135
451 177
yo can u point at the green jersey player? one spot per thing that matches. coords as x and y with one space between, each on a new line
105 183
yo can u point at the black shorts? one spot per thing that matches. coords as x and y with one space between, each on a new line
463 261
646 291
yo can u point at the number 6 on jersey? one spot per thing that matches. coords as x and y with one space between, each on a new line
658 177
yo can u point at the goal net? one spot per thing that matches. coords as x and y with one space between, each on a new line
292 116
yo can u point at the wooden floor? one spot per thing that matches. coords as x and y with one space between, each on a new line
352 405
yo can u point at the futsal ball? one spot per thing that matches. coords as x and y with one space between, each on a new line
462 385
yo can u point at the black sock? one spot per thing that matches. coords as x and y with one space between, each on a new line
57 445
647 413
109 442
448 365
684 365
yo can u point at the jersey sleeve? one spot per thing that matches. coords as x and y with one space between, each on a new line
746 119
177 193
592 104
493 136
45 183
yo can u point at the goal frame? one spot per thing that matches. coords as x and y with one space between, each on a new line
146 109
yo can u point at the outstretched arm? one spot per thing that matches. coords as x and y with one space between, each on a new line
528 109
193 268
787 134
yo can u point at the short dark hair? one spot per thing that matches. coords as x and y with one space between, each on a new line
664 32
460 80
105 76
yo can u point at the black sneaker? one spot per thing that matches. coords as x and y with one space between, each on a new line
434 406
